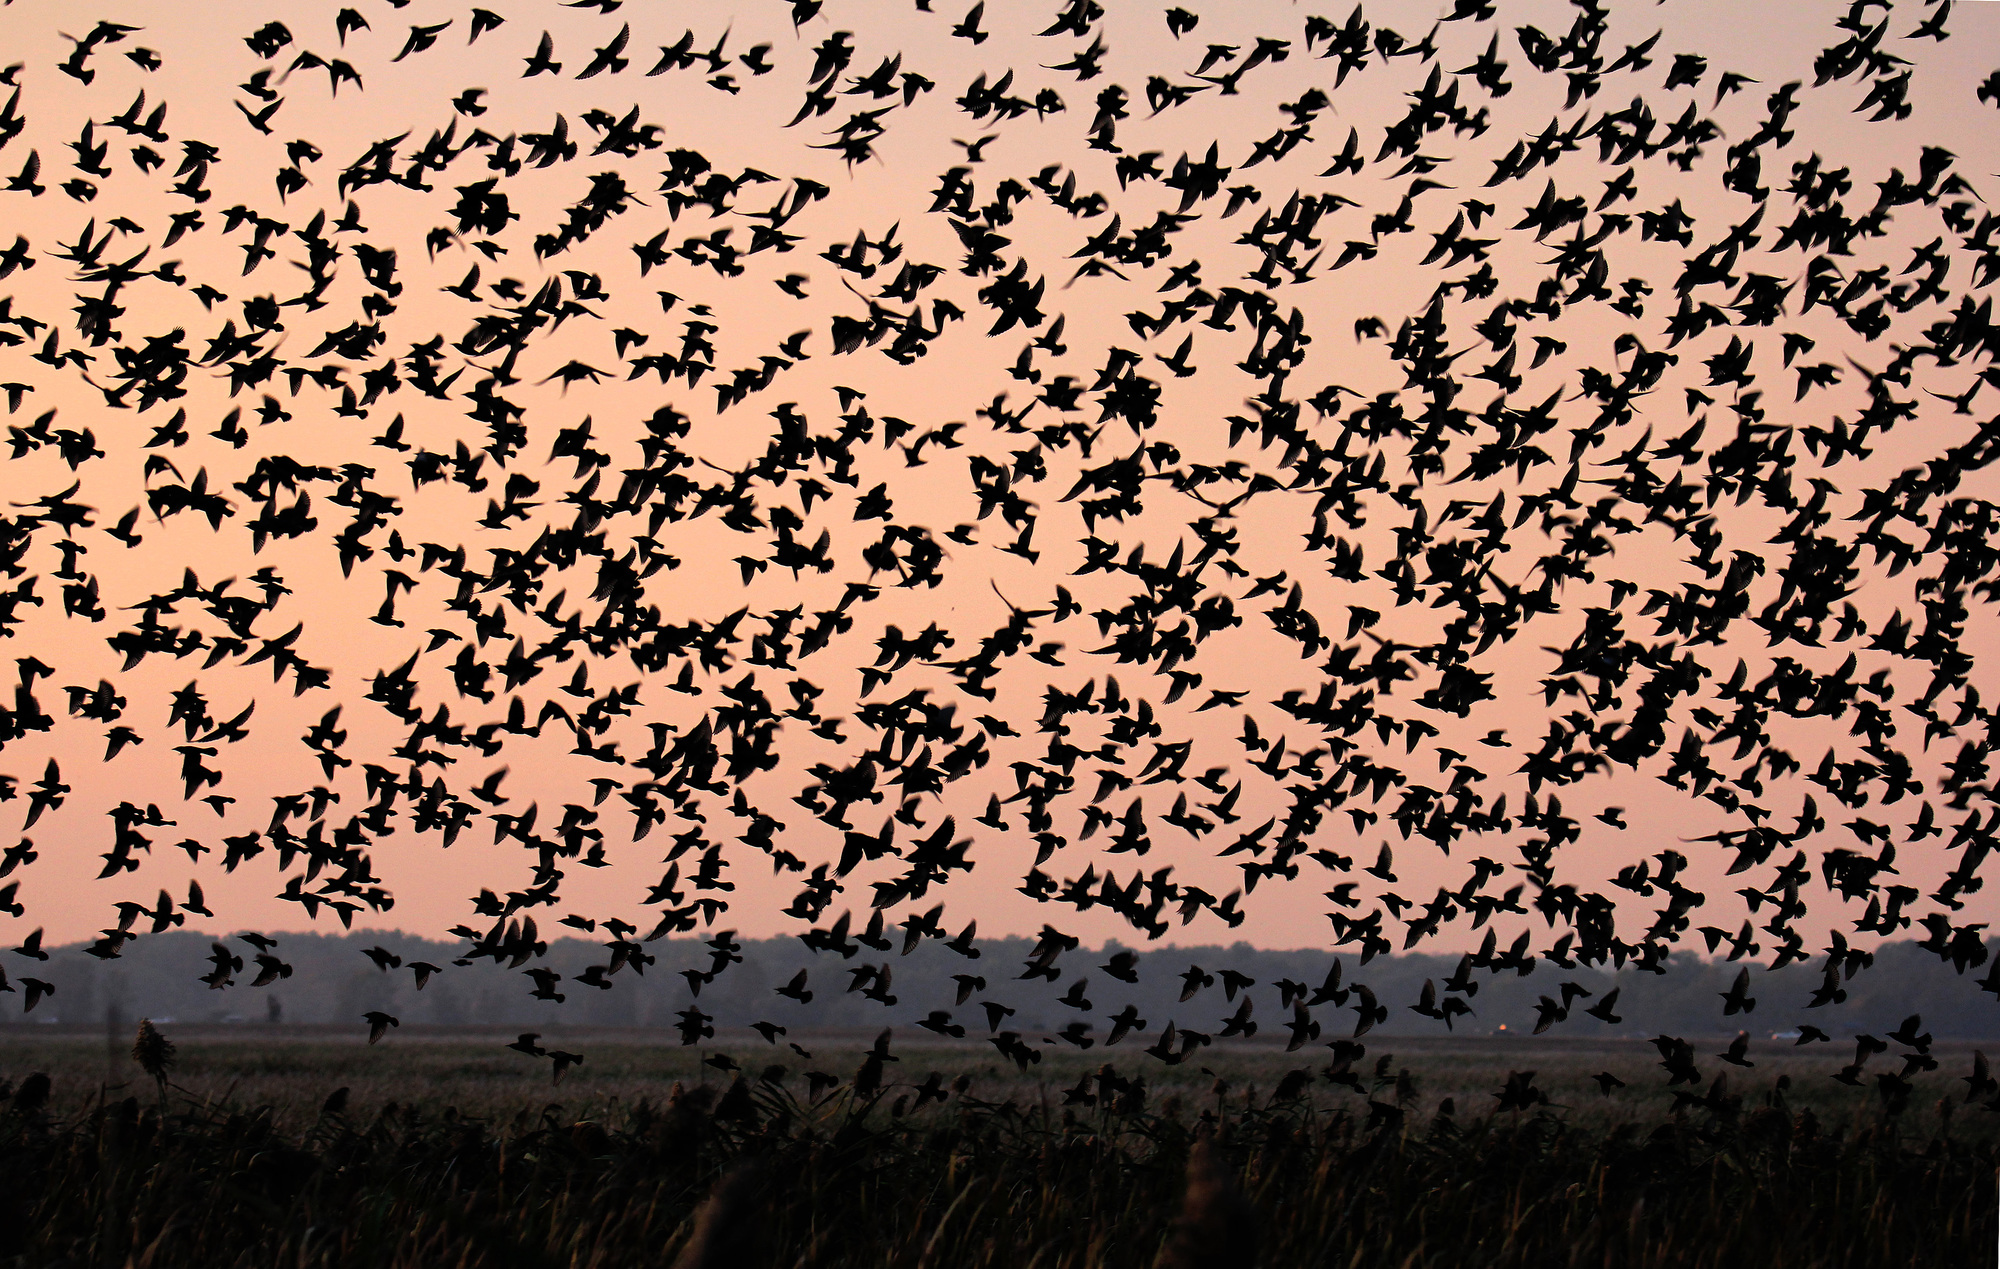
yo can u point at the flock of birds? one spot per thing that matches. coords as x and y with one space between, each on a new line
469 458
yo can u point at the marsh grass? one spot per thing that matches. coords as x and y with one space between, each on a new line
450 1153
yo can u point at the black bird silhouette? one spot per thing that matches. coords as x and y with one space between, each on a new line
542 62
968 26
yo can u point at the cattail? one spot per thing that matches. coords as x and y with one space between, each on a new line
726 1224
1217 1228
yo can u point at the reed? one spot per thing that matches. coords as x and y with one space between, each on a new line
763 1173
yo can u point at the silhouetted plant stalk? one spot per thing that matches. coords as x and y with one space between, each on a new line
155 1055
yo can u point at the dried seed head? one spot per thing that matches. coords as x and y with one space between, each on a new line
152 1051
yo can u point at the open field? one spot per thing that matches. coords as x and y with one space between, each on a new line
293 1069
448 1148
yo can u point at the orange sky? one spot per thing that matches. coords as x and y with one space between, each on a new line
201 64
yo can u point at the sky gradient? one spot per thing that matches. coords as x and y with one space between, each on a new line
947 282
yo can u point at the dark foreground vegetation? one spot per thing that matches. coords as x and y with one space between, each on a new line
898 1167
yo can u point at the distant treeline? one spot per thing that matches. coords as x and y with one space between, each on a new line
333 980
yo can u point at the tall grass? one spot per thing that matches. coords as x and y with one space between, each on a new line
761 1174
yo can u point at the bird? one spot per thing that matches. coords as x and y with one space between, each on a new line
1382 866
939 1021
561 1063
796 989
1734 1000
1123 1023
967 27
1603 1009
24 181
1547 1014
1195 979
542 63
1981 1082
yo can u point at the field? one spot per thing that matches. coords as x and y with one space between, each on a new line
446 1148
